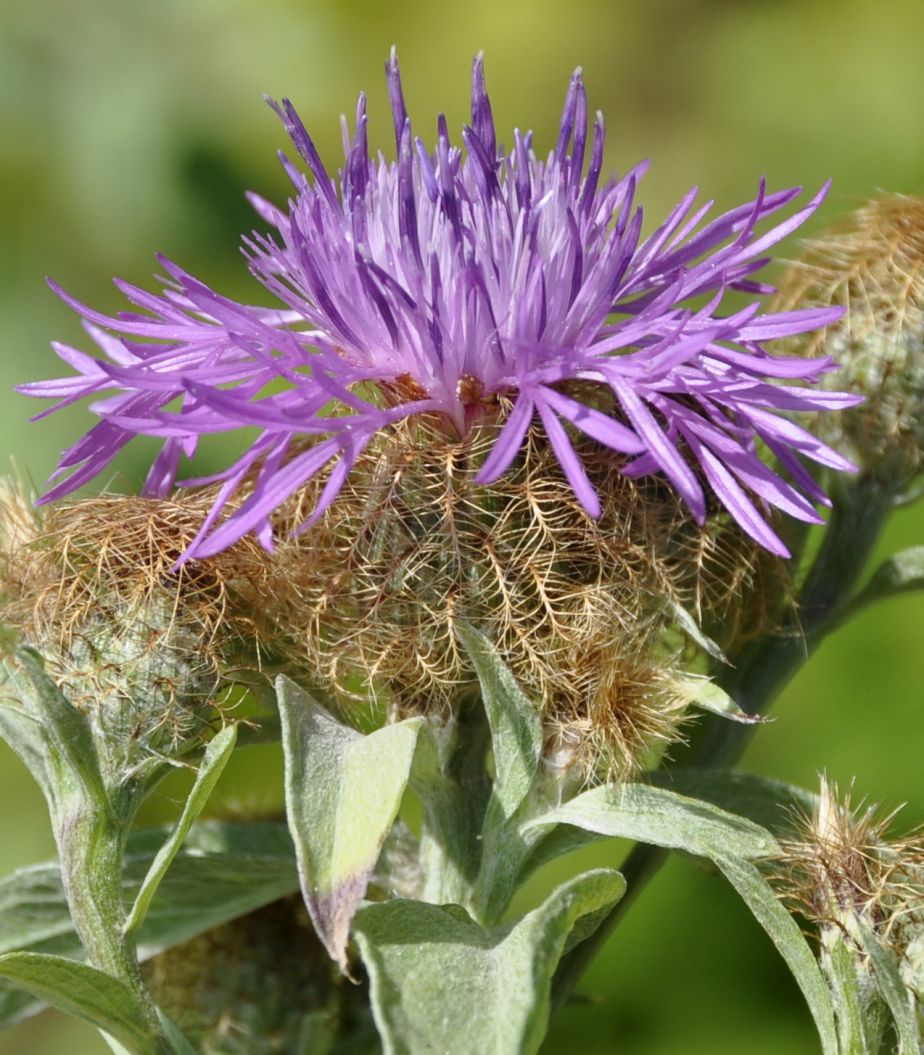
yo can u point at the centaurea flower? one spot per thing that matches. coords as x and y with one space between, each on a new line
469 286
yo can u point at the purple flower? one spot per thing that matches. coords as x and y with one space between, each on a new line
423 285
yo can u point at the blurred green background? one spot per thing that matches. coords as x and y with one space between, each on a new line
134 126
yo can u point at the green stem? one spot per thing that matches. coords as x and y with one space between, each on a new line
754 679
91 844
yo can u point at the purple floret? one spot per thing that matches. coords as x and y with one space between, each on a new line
447 276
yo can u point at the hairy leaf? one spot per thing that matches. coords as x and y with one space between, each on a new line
516 730
785 934
343 790
900 573
894 991
663 818
84 992
223 871
441 983
708 696
769 803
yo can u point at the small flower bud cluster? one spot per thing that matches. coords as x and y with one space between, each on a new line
260 985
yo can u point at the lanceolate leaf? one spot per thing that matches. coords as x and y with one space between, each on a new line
783 930
67 739
516 739
343 790
858 1025
769 803
900 573
708 696
175 1036
213 762
441 983
663 818
516 730
84 992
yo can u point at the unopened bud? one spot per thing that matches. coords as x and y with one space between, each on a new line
137 645
844 874
873 265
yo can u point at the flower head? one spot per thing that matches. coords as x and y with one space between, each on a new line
474 286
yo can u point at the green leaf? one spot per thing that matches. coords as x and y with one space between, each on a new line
224 870
785 934
858 1023
441 983
343 790
450 778
769 803
708 696
900 573
516 740
213 762
654 815
84 992
516 729
22 732
894 991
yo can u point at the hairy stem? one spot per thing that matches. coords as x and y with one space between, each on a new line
91 844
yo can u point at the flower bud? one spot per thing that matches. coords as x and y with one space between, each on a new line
134 643
845 875
873 265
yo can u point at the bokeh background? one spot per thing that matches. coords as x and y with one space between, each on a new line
134 126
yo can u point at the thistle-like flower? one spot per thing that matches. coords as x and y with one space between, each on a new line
480 289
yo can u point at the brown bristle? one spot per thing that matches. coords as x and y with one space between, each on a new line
413 544
93 586
841 862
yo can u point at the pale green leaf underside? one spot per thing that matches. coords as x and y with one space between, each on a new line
900 573
708 696
770 803
51 736
516 729
443 985
663 818
791 943
894 991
